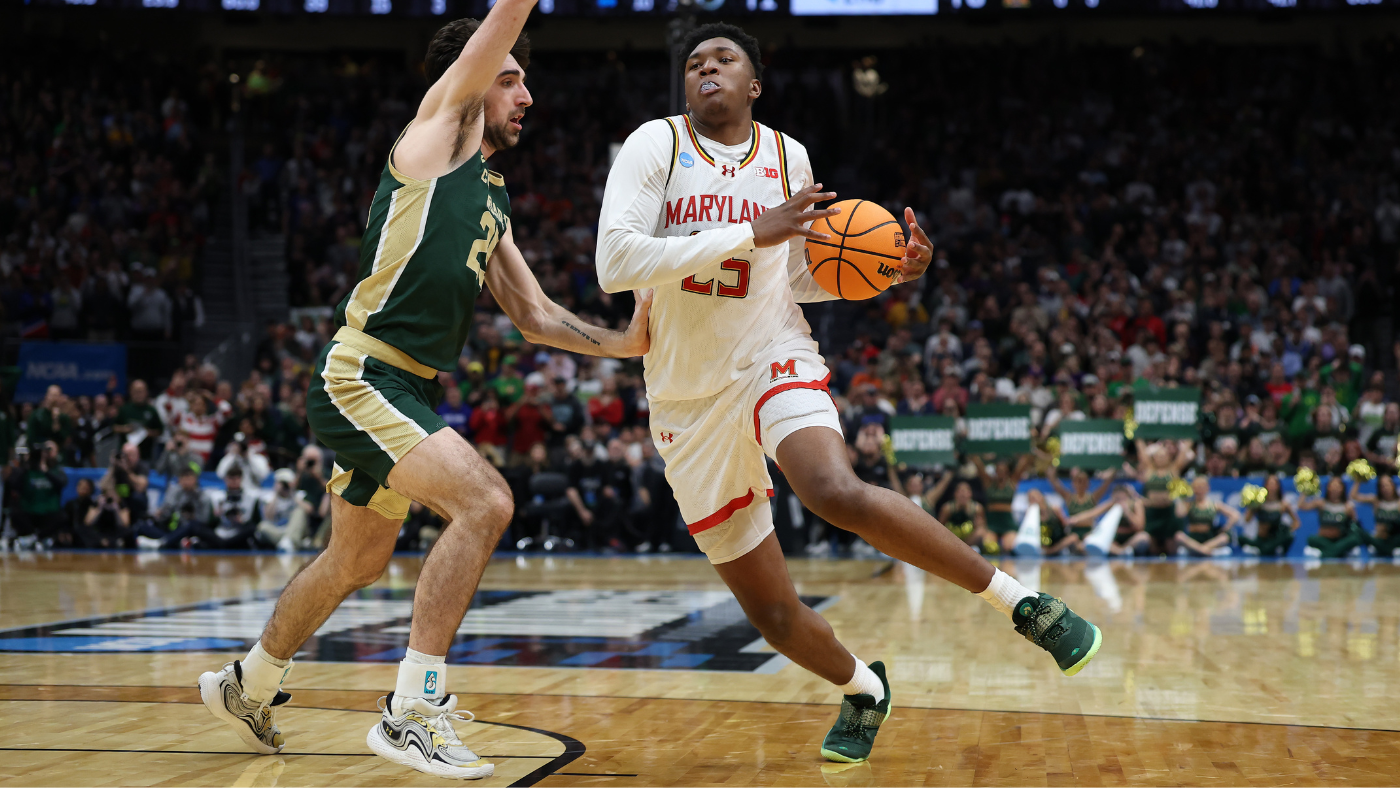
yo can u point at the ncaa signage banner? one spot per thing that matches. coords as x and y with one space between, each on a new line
79 369
1167 413
1004 430
1092 444
923 440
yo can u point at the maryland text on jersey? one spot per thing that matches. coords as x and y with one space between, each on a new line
702 207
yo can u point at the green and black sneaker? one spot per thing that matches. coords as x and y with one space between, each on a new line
850 739
1049 623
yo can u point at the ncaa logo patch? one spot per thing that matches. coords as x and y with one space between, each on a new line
687 160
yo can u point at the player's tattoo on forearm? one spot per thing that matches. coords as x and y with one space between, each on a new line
580 332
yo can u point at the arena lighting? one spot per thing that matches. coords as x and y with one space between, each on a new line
867 79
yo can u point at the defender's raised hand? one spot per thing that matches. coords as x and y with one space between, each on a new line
790 219
918 252
636 341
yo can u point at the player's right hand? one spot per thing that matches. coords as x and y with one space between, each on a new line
791 219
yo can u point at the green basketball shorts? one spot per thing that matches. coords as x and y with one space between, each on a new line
371 404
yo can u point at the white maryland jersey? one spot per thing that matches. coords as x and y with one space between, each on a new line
719 300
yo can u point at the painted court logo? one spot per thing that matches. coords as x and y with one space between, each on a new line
571 628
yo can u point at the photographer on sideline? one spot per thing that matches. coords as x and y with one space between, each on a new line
285 513
237 454
38 485
178 456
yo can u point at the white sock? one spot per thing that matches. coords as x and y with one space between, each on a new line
864 682
1004 592
422 676
263 674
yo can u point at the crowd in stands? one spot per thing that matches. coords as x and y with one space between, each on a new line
107 190
1105 220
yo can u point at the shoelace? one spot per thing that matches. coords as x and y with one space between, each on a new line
442 723
1041 630
857 720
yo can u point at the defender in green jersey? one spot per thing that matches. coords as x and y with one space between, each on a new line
438 231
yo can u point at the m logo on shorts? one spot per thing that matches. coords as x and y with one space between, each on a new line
430 681
787 369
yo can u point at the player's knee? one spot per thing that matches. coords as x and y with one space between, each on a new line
836 498
776 621
494 505
500 503
362 570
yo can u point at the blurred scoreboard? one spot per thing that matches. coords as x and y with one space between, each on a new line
458 8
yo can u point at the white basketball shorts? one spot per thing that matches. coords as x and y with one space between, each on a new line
714 447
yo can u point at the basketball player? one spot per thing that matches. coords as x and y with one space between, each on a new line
439 227
712 210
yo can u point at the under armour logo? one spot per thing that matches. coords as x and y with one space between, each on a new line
668 437
727 170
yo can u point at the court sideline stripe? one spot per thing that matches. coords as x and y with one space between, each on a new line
683 700
237 752
573 748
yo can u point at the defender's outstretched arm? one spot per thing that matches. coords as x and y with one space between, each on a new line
467 79
543 322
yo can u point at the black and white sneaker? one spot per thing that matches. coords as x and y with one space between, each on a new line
222 693
418 733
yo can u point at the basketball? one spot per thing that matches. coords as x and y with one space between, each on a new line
864 253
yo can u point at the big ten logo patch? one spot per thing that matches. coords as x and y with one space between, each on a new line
430 681
765 172
787 369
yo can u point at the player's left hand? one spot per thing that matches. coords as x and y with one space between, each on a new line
637 340
918 252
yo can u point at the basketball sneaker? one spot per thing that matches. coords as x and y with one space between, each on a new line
222 693
1049 623
418 733
853 735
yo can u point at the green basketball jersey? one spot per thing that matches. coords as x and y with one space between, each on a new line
423 260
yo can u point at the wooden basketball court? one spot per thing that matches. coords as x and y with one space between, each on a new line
640 671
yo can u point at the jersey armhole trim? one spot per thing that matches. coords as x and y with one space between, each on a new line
783 165
405 180
675 149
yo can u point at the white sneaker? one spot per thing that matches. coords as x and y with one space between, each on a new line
222 693
148 543
418 733
644 547
1312 552
285 545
